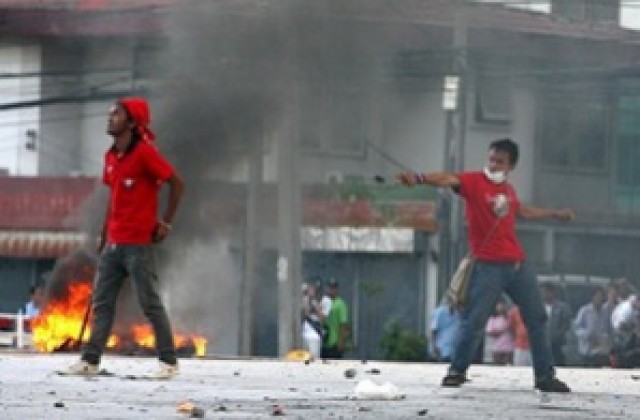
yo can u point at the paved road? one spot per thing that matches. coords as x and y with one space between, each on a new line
250 389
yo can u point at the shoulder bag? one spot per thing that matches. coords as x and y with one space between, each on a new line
459 285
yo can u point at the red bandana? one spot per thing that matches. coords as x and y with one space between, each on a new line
138 110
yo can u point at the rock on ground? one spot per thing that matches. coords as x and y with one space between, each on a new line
260 388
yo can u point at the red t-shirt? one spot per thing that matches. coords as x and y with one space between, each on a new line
479 196
134 179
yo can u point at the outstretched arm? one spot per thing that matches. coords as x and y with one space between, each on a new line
530 213
437 179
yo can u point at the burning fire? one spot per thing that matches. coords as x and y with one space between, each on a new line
59 323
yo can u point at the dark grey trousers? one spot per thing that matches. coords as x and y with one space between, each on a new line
117 262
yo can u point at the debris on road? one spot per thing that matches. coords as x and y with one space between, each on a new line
185 406
191 409
196 413
321 391
369 390
277 410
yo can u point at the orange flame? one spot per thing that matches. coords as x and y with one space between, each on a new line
143 335
60 321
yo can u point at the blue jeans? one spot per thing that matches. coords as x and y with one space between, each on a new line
488 282
138 263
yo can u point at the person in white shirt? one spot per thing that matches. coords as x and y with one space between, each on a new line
625 315
626 326
593 331
313 320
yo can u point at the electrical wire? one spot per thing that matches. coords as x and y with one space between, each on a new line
388 157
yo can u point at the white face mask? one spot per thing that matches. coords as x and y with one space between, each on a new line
497 177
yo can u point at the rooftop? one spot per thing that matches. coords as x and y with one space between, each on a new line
98 17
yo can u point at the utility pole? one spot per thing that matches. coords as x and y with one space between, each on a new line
252 246
289 202
455 105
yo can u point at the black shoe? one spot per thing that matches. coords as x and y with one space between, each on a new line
551 384
453 380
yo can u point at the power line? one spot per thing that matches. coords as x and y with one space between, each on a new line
387 156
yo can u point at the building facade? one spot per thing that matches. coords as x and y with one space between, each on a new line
368 88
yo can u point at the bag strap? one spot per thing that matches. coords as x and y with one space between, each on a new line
486 236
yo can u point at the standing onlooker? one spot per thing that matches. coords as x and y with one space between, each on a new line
592 329
499 330
625 316
613 298
626 326
521 348
624 289
312 320
36 298
337 325
134 171
445 322
559 315
326 302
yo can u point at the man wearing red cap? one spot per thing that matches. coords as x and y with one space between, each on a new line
134 171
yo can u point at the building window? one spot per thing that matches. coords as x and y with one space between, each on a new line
627 171
492 100
574 130
333 121
145 60
587 10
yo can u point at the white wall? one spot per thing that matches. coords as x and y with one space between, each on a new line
59 125
407 125
94 139
17 58
74 134
413 129
630 17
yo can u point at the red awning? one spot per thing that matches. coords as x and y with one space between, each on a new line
39 244
42 203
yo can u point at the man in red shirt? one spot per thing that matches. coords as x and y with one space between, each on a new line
491 207
134 171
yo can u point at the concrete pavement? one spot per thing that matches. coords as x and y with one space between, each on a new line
250 389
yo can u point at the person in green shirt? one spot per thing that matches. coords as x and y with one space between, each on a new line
337 325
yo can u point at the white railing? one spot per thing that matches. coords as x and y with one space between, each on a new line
19 337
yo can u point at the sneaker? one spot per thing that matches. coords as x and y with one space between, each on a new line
453 380
166 371
81 368
551 384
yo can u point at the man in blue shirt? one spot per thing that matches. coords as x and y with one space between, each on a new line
593 329
445 322
34 305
